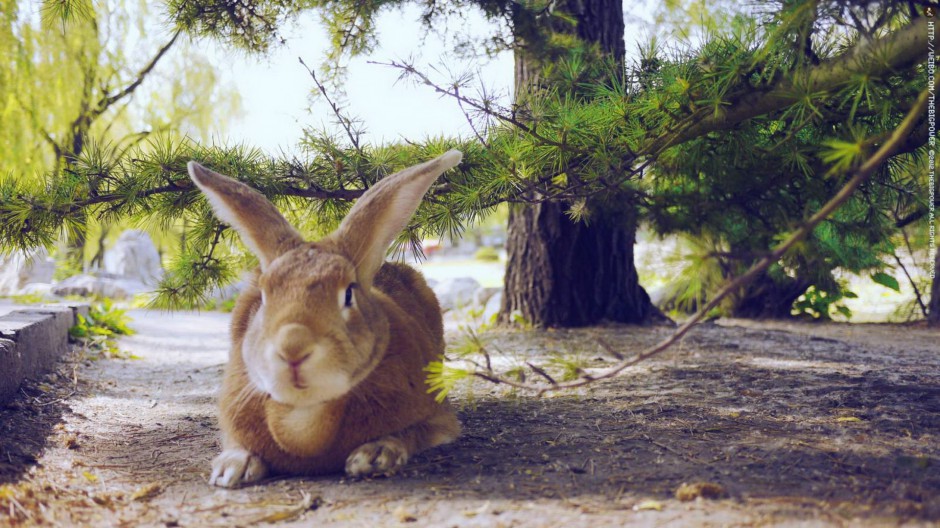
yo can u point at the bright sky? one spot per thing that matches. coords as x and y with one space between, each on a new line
275 89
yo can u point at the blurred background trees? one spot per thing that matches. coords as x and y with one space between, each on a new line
728 131
84 83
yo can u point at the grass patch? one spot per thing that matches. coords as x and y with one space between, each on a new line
98 332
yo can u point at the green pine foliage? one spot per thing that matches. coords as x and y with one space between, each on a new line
746 187
734 139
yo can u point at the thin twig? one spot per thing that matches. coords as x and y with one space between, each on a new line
541 372
920 300
910 250
105 102
344 121
411 70
469 119
609 349
58 400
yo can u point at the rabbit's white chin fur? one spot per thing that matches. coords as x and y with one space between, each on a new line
319 387
316 380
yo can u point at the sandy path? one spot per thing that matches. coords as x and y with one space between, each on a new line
803 425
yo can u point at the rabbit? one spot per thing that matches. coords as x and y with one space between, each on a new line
329 341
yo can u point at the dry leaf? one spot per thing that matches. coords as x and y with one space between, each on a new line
70 441
307 503
705 490
403 515
648 505
147 491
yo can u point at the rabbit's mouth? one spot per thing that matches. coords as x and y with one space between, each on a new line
303 388
297 379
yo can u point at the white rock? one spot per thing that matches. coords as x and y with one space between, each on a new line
455 293
110 287
658 295
492 307
483 295
19 269
134 256
229 291
42 289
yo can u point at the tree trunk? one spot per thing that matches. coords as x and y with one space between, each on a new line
565 273
765 298
933 309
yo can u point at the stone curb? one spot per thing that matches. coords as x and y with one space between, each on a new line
31 341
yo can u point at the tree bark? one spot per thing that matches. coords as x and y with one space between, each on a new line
767 299
933 309
562 272
565 273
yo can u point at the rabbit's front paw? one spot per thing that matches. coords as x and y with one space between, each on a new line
234 467
382 457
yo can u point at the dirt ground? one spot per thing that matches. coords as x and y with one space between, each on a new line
781 424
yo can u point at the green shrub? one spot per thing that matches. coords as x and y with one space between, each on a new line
820 304
30 298
97 331
487 254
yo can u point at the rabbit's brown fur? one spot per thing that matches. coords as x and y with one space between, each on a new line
329 342
376 408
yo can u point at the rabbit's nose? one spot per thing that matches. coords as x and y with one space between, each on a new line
294 344
293 363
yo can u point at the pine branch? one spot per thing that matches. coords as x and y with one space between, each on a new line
861 174
892 53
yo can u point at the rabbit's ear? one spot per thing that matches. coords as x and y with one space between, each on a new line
383 211
262 228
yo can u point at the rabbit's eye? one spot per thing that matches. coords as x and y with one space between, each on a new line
349 295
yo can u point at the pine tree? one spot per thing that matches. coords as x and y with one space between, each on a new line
587 138
566 271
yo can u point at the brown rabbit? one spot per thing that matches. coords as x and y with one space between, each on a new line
329 341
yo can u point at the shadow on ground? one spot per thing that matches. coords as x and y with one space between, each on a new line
27 422
790 424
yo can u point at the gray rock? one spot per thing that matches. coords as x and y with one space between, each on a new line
91 286
455 293
658 295
483 295
19 269
42 289
492 307
135 257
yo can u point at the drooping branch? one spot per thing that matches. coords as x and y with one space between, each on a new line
861 174
344 121
106 101
174 188
894 52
